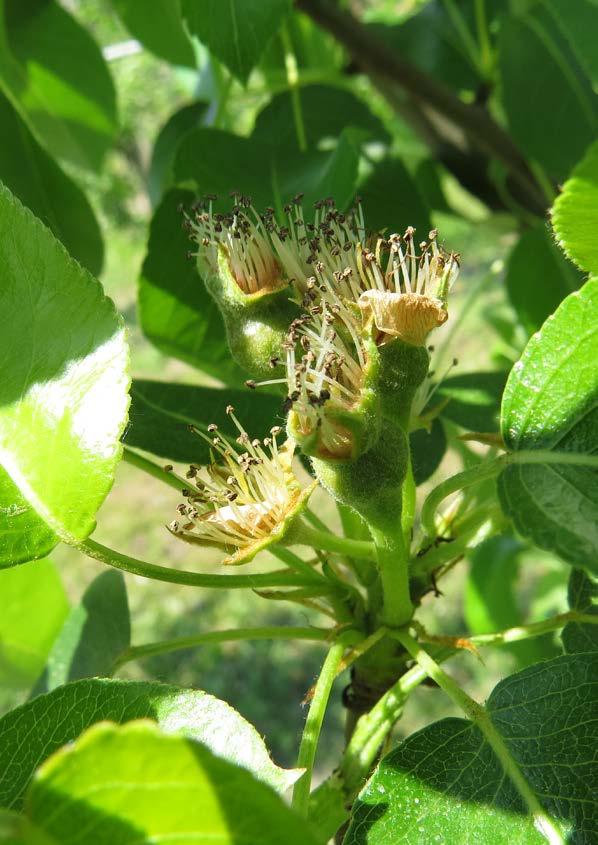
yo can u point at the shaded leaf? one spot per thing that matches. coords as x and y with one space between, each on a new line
578 22
219 162
575 213
176 312
474 399
427 450
34 606
59 717
63 395
161 412
159 28
490 602
326 110
446 784
549 403
94 634
583 596
389 180
66 95
165 146
538 277
35 178
431 42
238 31
551 109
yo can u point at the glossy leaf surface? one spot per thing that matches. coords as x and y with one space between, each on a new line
63 395
31 733
549 403
446 784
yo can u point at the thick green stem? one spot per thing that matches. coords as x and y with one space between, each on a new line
153 469
481 718
269 633
393 566
325 541
313 726
280 578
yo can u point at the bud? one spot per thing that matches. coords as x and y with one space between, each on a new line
248 264
333 410
245 501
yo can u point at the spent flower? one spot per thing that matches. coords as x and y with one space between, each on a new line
246 499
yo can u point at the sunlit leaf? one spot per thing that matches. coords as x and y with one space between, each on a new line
63 394
549 403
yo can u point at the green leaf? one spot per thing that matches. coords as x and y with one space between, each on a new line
23 534
162 411
549 403
34 606
66 95
537 71
238 31
165 146
63 394
326 111
578 23
176 312
15 829
446 784
53 720
160 29
220 162
427 450
490 602
575 213
94 634
380 206
538 277
35 178
432 43
583 596
474 399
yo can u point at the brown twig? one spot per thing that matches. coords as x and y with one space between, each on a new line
384 65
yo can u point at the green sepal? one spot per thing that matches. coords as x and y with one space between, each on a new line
256 324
